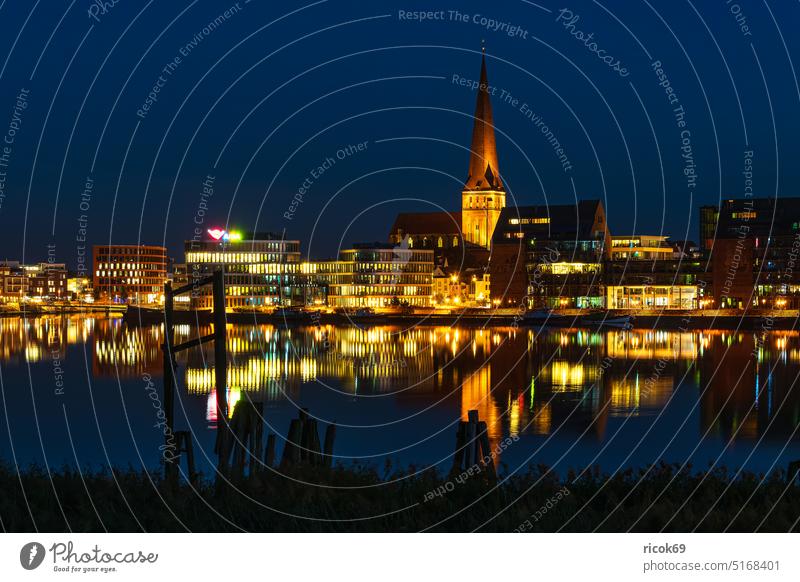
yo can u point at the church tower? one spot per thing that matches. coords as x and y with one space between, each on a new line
483 196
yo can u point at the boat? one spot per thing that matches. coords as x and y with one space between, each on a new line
135 315
543 317
605 319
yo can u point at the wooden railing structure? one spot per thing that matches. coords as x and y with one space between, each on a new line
223 443
239 440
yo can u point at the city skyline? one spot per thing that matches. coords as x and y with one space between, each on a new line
413 110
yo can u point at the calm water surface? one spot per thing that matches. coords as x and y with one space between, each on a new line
78 391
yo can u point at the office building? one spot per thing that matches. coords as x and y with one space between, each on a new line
261 269
129 273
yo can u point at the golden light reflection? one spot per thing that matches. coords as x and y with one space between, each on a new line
492 370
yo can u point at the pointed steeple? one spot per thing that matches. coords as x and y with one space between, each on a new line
484 173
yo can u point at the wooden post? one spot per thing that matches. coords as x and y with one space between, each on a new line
330 436
472 432
313 444
269 452
170 461
221 370
305 437
258 435
486 452
458 454
190 457
291 451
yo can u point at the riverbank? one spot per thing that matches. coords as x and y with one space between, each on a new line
479 318
754 320
359 499
87 309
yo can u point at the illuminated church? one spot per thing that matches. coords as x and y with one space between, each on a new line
464 237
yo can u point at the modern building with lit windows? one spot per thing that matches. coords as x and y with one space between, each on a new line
550 256
378 275
646 272
261 269
641 247
755 252
129 273
39 282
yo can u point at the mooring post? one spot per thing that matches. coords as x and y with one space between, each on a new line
170 456
471 437
460 452
221 369
330 437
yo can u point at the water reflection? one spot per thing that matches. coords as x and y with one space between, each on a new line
521 381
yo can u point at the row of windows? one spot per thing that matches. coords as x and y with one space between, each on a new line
538 220
425 242
380 290
143 265
232 258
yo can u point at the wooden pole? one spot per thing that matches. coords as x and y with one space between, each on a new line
458 454
486 452
190 457
258 435
472 431
330 436
170 460
291 451
313 444
269 452
221 369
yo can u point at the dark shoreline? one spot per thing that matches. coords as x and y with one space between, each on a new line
358 499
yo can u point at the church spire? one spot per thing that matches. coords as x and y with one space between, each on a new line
484 173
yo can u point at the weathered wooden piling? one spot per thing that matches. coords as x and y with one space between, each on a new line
330 436
183 445
458 454
269 451
291 451
473 447
303 443
246 431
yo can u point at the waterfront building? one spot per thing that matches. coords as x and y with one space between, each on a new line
129 273
480 289
550 256
39 282
709 216
448 289
441 285
79 289
377 275
754 255
260 269
641 247
648 273
47 280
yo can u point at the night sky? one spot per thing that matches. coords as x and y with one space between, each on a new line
261 96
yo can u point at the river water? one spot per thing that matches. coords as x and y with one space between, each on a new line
87 392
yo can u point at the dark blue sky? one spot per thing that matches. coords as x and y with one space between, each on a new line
266 95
